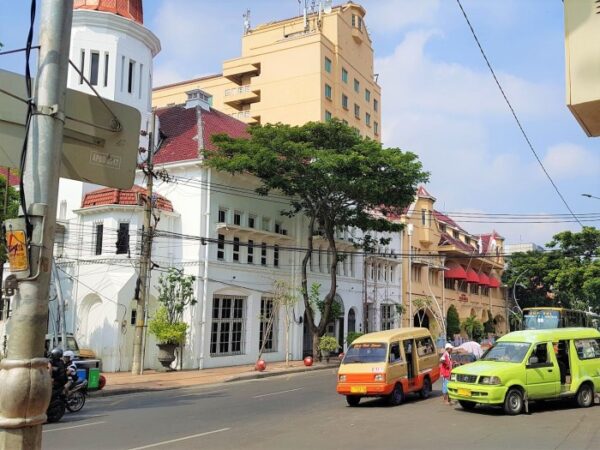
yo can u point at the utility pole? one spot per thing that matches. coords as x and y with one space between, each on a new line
365 301
61 308
24 375
137 367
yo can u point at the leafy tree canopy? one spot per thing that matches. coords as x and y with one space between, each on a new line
567 275
333 176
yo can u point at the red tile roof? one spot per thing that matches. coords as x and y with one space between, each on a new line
14 178
133 197
446 239
445 219
130 9
422 192
180 126
486 240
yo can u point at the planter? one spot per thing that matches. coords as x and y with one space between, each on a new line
166 355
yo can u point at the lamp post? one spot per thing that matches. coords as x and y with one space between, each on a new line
410 311
590 196
515 289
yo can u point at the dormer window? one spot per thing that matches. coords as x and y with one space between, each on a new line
456 234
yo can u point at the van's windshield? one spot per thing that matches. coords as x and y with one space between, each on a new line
369 352
507 352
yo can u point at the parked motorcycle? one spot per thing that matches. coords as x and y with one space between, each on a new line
75 397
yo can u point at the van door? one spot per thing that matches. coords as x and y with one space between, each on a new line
409 346
542 373
397 365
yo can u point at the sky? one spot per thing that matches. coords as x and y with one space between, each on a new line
439 99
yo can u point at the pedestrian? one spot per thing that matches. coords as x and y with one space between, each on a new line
445 370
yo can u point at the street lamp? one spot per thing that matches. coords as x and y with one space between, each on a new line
590 196
515 288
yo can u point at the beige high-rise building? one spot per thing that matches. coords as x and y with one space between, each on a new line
296 70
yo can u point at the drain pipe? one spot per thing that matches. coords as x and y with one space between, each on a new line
205 275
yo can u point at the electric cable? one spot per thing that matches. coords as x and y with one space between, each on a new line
514 114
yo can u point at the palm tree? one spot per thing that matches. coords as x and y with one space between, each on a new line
472 326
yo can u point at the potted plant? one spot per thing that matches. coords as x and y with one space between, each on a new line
175 292
327 345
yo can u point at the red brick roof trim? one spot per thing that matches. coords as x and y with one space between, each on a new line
135 196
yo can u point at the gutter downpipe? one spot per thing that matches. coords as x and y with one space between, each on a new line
205 275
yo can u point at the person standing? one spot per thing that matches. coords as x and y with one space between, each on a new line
445 370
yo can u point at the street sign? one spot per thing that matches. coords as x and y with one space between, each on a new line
93 151
16 248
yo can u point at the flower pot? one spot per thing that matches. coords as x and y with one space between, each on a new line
166 355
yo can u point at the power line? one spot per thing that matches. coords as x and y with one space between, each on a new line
515 115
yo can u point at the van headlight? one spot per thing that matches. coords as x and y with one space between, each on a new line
452 377
341 378
489 380
379 377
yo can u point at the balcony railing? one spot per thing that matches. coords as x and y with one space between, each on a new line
241 114
237 90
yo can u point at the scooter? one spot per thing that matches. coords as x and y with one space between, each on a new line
75 396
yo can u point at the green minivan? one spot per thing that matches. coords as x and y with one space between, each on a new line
532 365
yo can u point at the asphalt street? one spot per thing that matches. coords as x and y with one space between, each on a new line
303 411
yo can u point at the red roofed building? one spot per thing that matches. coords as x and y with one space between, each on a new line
449 266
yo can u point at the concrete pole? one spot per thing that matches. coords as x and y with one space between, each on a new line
62 319
137 366
410 308
25 386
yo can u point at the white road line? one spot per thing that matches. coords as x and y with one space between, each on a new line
158 444
277 393
200 393
74 426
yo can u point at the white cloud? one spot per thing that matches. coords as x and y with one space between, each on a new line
565 161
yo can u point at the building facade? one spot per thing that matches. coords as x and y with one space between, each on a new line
306 68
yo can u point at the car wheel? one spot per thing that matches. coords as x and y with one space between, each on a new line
425 391
513 402
585 396
467 404
352 400
397 395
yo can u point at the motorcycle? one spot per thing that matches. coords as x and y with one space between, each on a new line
56 408
75 396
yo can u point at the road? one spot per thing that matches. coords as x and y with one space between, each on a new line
302 411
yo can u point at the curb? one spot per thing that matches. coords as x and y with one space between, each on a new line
251 376
254 376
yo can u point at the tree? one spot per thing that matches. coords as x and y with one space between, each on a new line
567 275
422 304
175 292
452 322
473 327
334 177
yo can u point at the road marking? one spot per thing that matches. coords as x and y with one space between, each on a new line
74 426
158 444
200 393
277 393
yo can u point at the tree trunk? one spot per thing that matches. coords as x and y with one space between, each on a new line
316 350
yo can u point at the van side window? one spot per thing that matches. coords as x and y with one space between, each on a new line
587 348
541 352
425 346
395 352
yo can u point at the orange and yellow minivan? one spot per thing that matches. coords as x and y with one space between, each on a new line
389 364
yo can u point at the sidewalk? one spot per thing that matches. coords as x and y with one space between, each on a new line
125 383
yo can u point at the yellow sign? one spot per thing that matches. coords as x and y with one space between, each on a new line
16 246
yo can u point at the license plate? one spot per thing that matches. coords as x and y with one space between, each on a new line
358 389
464 392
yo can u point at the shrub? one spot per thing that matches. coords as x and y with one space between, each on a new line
452 322
328 344
352 336
165 331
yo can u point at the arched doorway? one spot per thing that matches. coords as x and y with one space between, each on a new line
92 322
421 319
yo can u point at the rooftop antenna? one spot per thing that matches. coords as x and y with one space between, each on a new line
327 6
313 6
305 15
246 17
299 7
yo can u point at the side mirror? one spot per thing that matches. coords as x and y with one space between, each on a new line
533 360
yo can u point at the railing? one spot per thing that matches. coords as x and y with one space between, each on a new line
237 90
241 115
